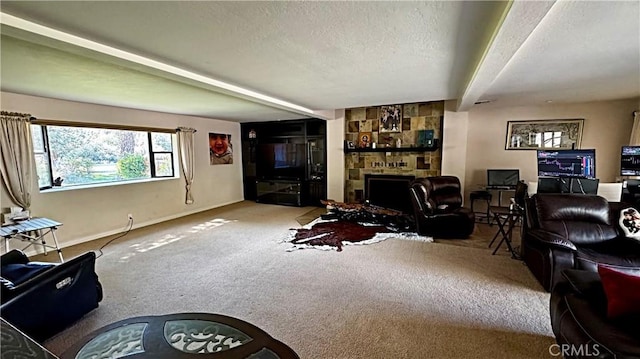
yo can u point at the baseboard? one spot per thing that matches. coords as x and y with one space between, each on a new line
34 251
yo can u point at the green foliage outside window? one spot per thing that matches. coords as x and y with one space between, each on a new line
88 155
133 166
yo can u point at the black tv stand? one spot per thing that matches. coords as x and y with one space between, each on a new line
279 191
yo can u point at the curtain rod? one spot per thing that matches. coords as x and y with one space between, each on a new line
45 122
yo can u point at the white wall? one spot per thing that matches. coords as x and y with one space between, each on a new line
335 157
92 213
454 142
607 127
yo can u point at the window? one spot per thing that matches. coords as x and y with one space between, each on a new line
548 139
71 156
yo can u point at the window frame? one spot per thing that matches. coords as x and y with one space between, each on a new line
43 124
152 157
45 153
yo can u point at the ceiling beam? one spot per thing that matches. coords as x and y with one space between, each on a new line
518 20
145 64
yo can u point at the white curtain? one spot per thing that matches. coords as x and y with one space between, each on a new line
635 131
16 156
187 152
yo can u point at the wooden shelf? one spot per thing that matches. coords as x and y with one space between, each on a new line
392 149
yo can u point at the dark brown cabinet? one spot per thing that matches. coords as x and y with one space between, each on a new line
284 162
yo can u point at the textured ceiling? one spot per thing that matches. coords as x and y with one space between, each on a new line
326 55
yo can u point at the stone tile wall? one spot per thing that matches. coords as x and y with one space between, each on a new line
415 117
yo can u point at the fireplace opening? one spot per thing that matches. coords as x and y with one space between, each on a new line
388 191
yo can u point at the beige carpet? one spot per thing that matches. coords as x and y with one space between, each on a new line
393 299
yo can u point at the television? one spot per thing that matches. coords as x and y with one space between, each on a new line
567 163
507 179
281 161
630 161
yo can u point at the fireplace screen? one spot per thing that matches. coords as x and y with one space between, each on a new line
388 191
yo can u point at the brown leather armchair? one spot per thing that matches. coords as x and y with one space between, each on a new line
578 309
574 231
437 207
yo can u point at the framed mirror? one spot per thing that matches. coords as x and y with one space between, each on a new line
540 134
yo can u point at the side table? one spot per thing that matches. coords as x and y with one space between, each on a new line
180 336
33 231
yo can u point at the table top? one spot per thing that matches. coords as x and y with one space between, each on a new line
33 224
16 344
181 335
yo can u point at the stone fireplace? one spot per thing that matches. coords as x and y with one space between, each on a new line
407 163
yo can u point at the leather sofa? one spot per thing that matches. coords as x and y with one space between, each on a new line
437 207
574 231
41 299
580 323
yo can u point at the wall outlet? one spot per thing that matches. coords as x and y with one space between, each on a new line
130 216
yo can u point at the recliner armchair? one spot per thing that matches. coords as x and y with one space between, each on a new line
41 299
437 207
573 231
579 319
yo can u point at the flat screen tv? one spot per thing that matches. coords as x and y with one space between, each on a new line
281 161
630 161
567 163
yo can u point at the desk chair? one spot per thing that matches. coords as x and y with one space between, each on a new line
611 191
508 217
481 196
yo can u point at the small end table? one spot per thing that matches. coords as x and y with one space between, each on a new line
180 336
25 231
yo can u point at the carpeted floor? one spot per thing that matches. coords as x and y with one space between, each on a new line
393 299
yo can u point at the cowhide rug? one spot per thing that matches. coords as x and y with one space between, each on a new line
333 234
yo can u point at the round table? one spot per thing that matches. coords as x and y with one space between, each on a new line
182 335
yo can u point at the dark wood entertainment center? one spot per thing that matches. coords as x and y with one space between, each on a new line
284 162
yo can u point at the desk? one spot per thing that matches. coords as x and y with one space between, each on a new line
506 219
180 336
33 231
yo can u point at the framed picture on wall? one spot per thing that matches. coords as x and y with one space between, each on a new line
544 134
364 139
391 118
220 149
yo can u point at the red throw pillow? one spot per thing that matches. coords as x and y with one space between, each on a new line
622 291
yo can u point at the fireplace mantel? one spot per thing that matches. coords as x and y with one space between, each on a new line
392 149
